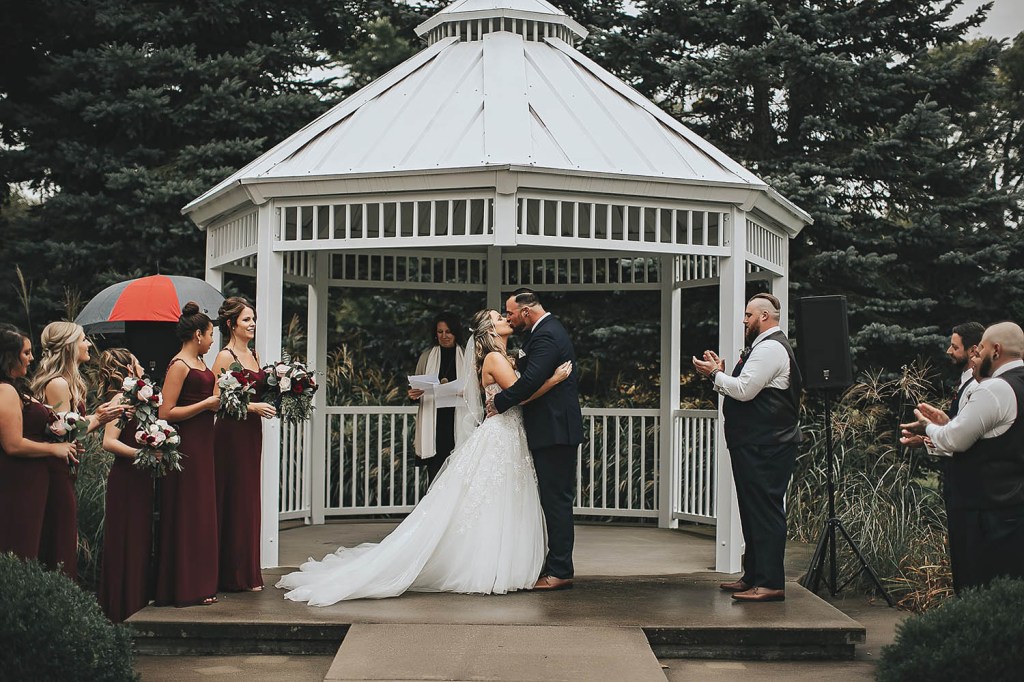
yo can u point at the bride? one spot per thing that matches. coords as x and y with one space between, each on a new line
479 529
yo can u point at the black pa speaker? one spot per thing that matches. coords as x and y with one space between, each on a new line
823 342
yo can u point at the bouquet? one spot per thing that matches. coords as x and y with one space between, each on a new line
159 452
68 427
142 396
236 390
290 386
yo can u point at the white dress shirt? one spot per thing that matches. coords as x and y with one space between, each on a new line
990 411
539 321
961 400
766 366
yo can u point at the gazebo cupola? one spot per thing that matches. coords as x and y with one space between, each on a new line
534 20
499 156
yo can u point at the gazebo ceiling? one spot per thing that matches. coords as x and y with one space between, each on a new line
495 90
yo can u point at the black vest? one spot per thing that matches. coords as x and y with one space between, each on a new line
990 474
954 406
773 416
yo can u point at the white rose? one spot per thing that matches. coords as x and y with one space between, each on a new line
286 383
140 437
59 428
173 440
128 384
281 370
146 392
159 438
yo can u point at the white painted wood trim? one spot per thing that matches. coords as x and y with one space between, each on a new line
269 285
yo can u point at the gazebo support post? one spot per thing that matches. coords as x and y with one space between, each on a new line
669 456
494 292
731 301
269 286
316 355
215 278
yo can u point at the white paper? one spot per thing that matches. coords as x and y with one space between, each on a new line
424 382
449 394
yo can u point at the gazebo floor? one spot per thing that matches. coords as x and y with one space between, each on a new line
646 579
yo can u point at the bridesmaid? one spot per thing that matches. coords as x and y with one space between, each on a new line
187 567
59 384
24 450
128 519
238 447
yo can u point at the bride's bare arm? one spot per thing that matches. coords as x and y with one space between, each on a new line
497 370
562 373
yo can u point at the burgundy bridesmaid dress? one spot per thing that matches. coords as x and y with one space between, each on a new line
238 448
187 565
24 484
127 535
58 545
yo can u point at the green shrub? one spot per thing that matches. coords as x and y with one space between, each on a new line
976 637
52 630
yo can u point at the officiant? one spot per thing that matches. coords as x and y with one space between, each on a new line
435 427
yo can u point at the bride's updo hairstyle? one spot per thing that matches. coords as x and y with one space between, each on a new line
230 311
192 320
485 338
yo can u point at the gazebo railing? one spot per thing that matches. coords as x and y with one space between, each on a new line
370 464
693 440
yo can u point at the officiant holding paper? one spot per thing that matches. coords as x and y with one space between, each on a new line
437 366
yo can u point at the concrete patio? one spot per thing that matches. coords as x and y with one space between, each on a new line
640 593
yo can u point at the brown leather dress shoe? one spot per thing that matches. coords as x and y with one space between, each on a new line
735 586
760 594
551 583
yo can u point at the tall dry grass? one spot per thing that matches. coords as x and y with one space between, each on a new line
887 496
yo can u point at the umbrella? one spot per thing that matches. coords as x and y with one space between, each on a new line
148 299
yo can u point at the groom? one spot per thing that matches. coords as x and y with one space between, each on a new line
554 426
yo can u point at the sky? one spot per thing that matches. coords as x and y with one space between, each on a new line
1005 19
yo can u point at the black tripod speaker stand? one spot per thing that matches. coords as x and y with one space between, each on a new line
826 546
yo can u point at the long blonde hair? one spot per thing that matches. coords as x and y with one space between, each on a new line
59 342
485 339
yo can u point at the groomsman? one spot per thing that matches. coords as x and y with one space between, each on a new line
986 438
761 410
963 347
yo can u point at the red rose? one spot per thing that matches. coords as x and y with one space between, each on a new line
297 388
140 383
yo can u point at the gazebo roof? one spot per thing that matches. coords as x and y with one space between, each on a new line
497 98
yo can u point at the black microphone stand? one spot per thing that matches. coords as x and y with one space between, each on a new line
826 546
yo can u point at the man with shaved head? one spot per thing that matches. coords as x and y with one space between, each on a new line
986 438
761 412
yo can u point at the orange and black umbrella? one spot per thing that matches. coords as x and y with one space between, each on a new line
148 299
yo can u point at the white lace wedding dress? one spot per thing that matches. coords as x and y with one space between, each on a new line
479 529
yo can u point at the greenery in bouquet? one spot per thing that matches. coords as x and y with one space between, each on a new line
159 452
236 390
291 386
142 396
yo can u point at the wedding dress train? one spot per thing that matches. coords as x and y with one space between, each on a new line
479 529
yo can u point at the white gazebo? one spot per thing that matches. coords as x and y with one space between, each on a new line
500 156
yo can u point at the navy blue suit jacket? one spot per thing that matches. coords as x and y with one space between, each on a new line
554 418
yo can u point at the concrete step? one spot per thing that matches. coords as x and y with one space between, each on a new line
525 653
681 616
